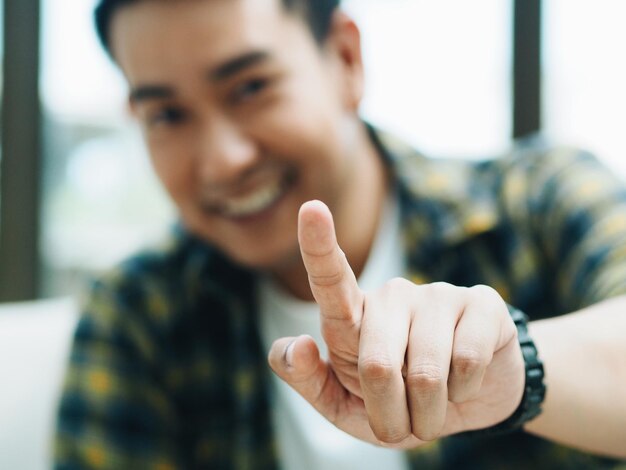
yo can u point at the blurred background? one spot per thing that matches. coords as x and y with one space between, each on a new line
77 194
455 78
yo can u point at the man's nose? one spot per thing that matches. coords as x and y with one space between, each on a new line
226 151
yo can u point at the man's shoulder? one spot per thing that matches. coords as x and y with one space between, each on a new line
540 174
161 285
533 159
454 198
165 264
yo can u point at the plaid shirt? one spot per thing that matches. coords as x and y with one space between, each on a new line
167 369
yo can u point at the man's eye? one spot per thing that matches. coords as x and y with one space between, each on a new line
249 89
167 116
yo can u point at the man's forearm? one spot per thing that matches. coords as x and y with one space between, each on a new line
584 356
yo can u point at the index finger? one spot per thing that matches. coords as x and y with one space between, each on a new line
332 281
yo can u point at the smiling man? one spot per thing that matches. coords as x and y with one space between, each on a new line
250 111
244 131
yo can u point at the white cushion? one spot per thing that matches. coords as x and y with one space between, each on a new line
35 339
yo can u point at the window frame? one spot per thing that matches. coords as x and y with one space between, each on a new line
20 171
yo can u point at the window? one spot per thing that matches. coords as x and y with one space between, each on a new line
584 76
100 201
19 174
439 73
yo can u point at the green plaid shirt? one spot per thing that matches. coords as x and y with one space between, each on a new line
167 369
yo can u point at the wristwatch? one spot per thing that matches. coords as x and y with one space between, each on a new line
534 389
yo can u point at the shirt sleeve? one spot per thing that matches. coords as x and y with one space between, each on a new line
578 208
113 412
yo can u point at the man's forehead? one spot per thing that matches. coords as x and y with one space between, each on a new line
223 28
212 12
165 50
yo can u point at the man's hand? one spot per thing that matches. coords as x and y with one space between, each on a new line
407 363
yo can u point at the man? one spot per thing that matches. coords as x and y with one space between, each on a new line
250 113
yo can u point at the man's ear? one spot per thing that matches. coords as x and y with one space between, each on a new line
344 43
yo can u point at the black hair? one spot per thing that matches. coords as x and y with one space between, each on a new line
317 14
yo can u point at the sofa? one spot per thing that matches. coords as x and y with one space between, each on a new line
35 339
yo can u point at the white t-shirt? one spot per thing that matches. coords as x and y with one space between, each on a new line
306 440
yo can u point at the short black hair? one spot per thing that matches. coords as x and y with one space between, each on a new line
317 13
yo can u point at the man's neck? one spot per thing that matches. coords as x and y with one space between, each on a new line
356 218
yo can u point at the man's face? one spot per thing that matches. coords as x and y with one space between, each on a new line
244 115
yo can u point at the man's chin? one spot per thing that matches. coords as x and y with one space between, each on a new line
266 260
261 253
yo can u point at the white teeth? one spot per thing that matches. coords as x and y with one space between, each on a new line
253 203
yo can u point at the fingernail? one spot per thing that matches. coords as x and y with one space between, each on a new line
289 353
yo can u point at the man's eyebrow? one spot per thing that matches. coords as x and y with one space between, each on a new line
236 65
221 72
147 92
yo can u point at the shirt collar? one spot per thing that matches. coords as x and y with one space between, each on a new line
443 202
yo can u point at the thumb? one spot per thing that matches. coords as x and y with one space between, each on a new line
297 362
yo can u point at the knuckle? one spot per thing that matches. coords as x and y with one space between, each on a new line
438 291
483 292
390 435
335 339
467 362
376 374
426 380
490 299
426 434
326 279
442 287
397 284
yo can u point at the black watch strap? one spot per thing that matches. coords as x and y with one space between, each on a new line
534 389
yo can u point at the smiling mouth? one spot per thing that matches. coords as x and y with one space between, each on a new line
253 202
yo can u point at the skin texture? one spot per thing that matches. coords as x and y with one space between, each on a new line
238 105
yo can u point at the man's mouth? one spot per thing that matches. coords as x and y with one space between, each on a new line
253 202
